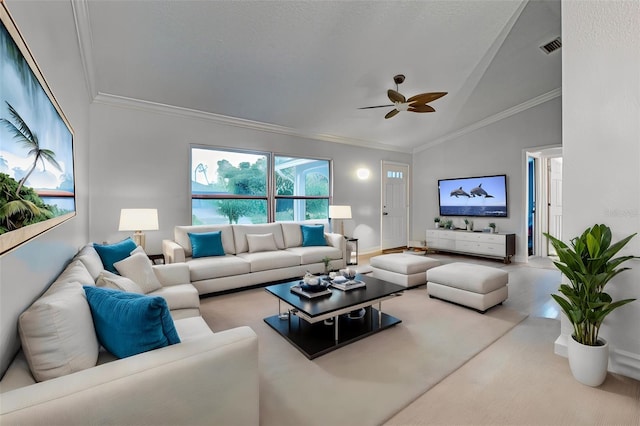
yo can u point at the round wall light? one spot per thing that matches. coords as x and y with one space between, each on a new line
362 173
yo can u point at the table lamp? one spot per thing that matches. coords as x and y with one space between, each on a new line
339 212
138 220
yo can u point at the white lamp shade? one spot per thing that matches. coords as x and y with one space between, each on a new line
138 220
340 212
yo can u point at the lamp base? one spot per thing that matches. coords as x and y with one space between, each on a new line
139 238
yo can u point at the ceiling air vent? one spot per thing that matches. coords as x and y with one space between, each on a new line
552 46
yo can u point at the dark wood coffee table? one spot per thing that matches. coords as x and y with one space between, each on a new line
304 322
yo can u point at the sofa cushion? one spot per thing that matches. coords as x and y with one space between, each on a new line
261 242
91 260
293 233
116 282
128 324
181 296
315 254
57 333
112 253
313 235
192 328
240 234
266 260
205 268
204 244
181 236
74 272
138 269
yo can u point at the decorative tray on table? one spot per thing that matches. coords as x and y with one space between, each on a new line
346 285
310 291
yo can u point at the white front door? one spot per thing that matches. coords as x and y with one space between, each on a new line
395 205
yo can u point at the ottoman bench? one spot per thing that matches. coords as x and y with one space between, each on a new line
408 270
475 286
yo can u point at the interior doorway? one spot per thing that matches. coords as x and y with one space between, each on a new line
395 205
543 212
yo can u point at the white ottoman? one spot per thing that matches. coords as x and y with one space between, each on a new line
408 270
476 286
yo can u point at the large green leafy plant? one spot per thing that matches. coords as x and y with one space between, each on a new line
589 264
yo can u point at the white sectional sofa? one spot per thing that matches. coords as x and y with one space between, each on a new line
63 377
242 265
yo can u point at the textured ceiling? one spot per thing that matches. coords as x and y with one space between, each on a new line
309 65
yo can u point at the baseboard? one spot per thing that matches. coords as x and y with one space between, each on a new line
625 363
560 346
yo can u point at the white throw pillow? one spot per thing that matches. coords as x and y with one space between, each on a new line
138 269
261 242
57 333
110 280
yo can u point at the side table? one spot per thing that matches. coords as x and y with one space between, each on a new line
156 259
354 243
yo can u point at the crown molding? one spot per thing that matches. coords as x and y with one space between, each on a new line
492 119
80 10
159 108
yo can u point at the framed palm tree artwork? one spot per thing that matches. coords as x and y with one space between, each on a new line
37 189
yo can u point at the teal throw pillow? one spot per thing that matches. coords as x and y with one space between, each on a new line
313 235
127 323
204 244
112 253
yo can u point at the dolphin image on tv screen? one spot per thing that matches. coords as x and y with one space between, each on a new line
459 193
479 192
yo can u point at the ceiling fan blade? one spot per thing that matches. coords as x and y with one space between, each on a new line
425 98
421 108
391 113
395 96
378 106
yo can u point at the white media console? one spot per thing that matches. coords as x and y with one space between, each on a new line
501 246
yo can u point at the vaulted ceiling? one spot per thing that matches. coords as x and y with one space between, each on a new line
306 67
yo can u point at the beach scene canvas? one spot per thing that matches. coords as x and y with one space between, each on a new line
36 144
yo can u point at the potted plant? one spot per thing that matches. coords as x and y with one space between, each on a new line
589 264
326 261
436 220
468 224
492 225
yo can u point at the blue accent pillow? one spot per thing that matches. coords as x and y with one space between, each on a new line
313 235
206 244
112 253
127 323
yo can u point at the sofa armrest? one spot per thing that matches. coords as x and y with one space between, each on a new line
172 274
172 251
212 380
337 241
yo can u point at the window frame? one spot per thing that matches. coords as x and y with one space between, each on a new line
270 197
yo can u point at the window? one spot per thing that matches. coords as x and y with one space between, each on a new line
229 186
302 188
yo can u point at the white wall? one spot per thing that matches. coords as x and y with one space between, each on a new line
601 133
494 149
141 159
25 272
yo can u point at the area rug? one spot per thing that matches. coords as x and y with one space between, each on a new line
367 382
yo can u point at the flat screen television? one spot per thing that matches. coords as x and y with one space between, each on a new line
482 196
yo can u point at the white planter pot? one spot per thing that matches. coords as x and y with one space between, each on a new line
588 363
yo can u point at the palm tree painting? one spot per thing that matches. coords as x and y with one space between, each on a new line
37 185
24 135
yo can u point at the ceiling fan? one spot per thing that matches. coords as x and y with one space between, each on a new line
417 103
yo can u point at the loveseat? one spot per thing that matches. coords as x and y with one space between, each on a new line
255 254
62 376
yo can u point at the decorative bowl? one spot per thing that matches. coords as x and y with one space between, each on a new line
348 273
